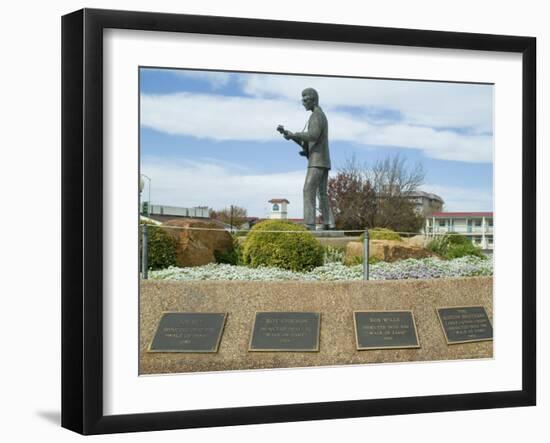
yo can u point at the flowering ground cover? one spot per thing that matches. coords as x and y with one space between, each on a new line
468 266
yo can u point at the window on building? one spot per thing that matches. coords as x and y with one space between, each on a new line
490 222
275 207
478 223
442 223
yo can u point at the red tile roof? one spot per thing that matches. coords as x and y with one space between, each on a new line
461 214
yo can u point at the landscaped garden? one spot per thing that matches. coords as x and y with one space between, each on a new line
411 268
295 254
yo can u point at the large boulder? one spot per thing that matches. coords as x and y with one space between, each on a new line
387 250
418 240
197 247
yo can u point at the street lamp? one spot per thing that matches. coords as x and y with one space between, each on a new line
141 186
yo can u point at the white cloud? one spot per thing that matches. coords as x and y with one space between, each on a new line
217 185
222 118
425 103
462 199
434 104
215 78
218 117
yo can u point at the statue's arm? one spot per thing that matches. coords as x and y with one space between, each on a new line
314 130
305 148
288 135
298 141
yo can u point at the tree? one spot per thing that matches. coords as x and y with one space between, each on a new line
393 177
376 196
394 181
351 196
232 215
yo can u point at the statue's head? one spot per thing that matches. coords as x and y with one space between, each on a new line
310 98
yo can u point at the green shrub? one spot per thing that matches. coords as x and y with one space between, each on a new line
439 245
454 238
286 250
161 247
454 245
333 254
373 260
232 257
457 251
381 234
355 260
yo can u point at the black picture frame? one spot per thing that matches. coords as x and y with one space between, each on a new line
82 232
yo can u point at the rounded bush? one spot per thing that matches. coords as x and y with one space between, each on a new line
161 247
295 251
381 234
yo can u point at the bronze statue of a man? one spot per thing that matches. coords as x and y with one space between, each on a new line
314 144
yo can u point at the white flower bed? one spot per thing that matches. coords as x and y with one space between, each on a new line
405 269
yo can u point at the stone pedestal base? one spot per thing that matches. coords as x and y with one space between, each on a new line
328 234
336 301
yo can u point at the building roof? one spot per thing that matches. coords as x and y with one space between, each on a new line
415 194
279 200
295 220
461 214
429 195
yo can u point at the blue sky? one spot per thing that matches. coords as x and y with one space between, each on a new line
209 139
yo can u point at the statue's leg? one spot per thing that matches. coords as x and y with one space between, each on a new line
311 186
324 204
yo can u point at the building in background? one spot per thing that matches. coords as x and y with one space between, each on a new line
278 210
477 226
250 222
425 203
162 213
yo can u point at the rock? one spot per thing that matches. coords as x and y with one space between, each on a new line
417 240
197 247
354 250
387 250
337 242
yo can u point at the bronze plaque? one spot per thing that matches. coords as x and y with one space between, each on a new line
285 331
188 332
385 330
465 324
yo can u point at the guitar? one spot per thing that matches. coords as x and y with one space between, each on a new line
305 148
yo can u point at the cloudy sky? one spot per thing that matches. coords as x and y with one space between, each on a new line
209 138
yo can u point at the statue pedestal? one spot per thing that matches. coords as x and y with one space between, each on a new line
327 234
335 301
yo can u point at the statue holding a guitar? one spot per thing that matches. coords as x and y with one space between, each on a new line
289 136
314 144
